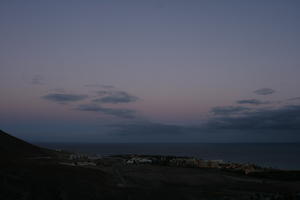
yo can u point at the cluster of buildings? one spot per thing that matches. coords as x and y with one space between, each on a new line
137 160
192 163
175 161
246 168
87 160
81 160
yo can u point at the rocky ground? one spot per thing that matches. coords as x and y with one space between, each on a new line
47 179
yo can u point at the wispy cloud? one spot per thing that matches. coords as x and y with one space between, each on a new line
264 91
104 92
94 103
37 80
284 118
64 98
148 128
100 86
229 110
117 112
252 102
294 99
115 97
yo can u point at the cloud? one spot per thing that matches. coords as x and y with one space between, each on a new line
64 98
229 110
117 112
264 91
284 118
294 99
37 80
252 102
104 92
100 86
105 96
148 128
115 97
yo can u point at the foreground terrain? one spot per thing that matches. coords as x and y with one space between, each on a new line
30 172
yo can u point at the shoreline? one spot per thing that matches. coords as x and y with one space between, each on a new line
278 157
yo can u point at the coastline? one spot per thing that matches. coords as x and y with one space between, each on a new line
279 155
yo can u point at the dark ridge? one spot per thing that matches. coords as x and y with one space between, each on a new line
12 147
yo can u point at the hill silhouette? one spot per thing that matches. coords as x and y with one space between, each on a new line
12 147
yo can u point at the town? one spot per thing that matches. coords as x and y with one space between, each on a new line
160 160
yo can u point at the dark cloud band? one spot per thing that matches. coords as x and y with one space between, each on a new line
115 97
264 91
228 110
64 98
252 102
147 128
285 118
117 112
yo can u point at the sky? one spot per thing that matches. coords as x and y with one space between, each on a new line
150 71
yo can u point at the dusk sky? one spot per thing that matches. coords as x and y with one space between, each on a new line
150 71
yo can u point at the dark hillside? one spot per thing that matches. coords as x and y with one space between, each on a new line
12 147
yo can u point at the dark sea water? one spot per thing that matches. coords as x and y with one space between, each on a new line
283 156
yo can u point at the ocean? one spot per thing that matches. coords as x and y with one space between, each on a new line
282 155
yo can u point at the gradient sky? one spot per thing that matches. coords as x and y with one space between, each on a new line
150 71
